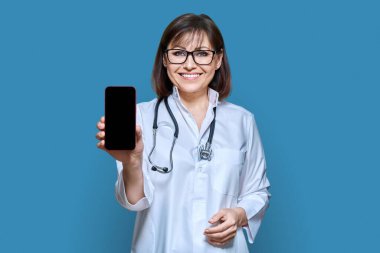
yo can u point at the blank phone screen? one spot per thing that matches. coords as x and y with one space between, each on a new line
120 116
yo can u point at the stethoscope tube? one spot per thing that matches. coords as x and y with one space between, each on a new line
205 152
155 127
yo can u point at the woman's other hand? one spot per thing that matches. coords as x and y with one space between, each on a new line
230 220
125 156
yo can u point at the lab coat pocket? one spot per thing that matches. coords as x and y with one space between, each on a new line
225 169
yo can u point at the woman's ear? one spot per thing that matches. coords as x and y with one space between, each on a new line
164 61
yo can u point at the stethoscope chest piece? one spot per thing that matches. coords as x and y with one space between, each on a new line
205 152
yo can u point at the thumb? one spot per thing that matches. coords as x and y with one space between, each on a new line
138 132
216 217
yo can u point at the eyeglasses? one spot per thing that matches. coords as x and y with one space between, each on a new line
200 57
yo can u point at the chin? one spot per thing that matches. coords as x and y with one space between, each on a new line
189 88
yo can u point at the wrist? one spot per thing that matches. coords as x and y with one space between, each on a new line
131 166
132 161
242 220
132 173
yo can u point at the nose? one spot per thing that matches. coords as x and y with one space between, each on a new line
189 64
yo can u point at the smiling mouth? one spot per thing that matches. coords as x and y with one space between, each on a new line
190 76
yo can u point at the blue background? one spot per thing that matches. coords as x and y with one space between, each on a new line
308 70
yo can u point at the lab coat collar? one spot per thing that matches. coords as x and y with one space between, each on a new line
213 96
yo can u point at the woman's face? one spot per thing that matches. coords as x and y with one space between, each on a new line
190 77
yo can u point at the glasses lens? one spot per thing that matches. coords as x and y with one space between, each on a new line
203 56
177 56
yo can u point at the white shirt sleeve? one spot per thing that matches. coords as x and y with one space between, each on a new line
253 195
121 197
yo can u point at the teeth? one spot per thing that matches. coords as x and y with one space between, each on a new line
190 75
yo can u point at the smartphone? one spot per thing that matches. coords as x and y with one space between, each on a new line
120 116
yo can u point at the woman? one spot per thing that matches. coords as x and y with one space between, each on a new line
198 192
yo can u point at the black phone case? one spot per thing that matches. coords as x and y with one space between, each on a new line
120 118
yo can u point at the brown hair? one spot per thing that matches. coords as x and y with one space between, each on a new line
174 32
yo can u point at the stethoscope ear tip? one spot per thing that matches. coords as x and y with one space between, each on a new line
154 168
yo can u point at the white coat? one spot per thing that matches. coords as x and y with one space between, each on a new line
177 206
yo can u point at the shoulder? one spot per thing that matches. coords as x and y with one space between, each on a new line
144 111
236 119
234 112
148 106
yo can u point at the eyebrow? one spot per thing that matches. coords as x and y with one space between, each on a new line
197 48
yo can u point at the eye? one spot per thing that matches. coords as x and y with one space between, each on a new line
202 53
179 52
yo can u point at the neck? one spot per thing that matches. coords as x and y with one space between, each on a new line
195 101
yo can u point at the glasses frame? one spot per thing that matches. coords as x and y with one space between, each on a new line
192 55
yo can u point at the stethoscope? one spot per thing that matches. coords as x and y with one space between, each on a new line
205 151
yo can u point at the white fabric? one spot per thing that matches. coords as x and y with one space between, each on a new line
177 206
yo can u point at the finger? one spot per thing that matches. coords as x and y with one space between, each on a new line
217 244
138 131
224 240
217 217
103 119
228 238
100 125
219 228
100 135
101 144
222 235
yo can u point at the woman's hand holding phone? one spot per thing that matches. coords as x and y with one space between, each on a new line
124 156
